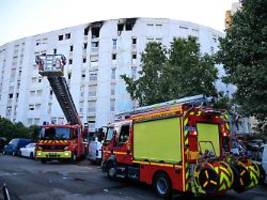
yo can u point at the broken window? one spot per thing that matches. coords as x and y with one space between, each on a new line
67 35
60 37
120 27
86 31
95 32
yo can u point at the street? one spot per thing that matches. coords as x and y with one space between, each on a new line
30 180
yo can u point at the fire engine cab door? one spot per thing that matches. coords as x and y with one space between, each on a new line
209 138
121 148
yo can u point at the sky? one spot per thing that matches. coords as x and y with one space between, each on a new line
21 18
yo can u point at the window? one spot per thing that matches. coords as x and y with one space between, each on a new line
84 60
86 31
38 106
69 75
92 91
94 58
112 90
150 24
39 79
10 96
71 48
112 105
114 43
54 51
60 37
83 75
70 61
134 40
113 73
95 32
158 25
134 56
67 35
32 93
39 92
51 92
84 45
114 56
120 27
124 134
183 27
31 107
91 106
93 76
94 44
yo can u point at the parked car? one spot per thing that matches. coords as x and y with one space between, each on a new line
28 150
95 151
3 141
12 148
264 160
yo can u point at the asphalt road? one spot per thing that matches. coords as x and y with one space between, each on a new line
30 180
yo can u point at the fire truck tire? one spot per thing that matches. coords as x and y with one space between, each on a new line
111 170
162 185
241 178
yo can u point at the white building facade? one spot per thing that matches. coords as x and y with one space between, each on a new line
97 54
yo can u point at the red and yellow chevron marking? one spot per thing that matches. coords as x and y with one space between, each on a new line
63 142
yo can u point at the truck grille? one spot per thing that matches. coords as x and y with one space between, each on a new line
52 147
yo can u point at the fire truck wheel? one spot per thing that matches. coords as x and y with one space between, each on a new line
162 185
111 170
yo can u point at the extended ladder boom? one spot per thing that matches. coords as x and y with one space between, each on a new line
52 67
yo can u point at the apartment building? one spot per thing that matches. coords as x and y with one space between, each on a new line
97 54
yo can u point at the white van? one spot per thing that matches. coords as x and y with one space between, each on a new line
95 151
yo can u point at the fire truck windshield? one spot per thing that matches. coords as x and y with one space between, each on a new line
56 133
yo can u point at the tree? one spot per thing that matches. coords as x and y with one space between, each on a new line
243 52
147 89
172 73
11 130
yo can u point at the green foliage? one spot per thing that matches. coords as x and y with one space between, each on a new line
11 130
243 52
172 73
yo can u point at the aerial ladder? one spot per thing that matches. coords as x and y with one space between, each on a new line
68 137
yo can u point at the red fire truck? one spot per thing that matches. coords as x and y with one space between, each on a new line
178 145
59 141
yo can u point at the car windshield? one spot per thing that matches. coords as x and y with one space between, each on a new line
56 133
14 141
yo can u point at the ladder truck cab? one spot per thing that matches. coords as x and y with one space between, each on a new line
180 145
59 141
